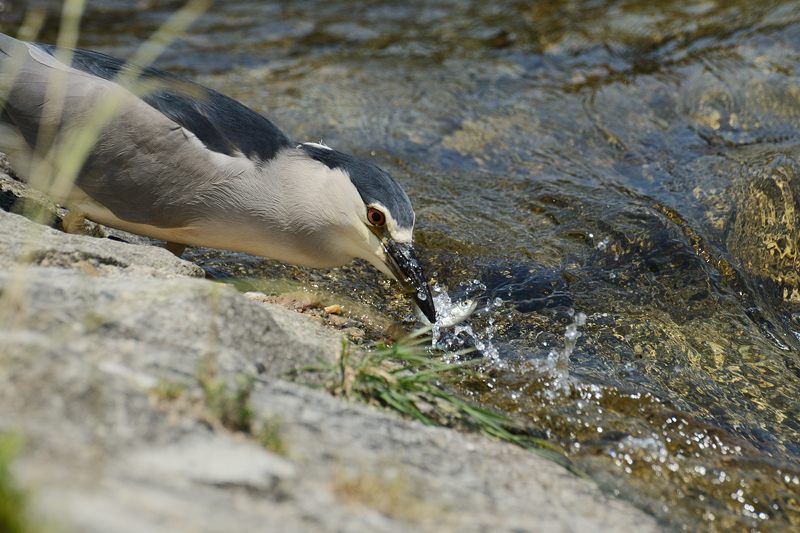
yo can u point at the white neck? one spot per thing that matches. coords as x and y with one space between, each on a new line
292 209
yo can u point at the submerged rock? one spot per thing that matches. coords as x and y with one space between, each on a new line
765 228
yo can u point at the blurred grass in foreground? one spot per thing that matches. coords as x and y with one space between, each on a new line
54 164
14 517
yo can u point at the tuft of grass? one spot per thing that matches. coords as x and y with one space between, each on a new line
13 500
404 378
225 405
229 405
168 391
270 436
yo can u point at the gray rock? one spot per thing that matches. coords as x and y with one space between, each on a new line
91 326
22 242
217 460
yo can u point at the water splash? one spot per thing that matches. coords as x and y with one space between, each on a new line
448 312
451 334
557 363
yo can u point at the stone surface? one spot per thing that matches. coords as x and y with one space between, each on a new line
34 244
91 326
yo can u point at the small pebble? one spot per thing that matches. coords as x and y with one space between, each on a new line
257 296
355 334
338 321
334 309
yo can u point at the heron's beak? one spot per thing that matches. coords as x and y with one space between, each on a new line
406 268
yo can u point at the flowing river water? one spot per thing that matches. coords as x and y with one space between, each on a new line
616 183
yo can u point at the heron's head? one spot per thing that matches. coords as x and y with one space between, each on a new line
369 216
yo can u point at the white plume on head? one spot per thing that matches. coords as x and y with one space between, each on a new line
320 144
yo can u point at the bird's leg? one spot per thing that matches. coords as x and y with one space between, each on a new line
175 247
74 222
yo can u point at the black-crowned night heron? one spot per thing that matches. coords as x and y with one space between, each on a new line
191 166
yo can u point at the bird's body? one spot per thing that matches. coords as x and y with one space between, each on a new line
188 165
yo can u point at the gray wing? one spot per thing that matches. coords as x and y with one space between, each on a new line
159 159
221 123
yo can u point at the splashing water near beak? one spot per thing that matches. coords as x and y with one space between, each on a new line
449 313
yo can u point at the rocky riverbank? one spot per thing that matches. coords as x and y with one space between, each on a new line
109 355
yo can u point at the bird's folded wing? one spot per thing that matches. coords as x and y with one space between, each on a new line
173 146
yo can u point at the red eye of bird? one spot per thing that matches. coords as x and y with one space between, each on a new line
376 217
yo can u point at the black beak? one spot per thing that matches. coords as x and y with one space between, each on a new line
406 268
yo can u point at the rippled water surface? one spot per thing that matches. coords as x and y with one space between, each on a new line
634 163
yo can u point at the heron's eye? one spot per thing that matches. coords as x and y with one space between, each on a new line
375 217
